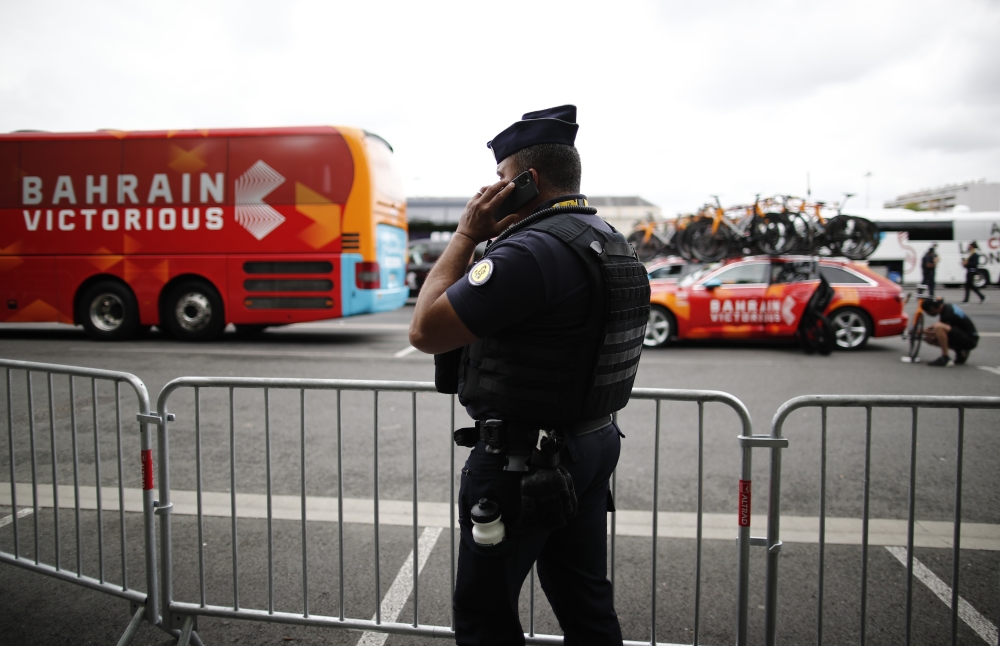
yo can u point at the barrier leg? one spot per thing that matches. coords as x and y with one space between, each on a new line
133 626
186 631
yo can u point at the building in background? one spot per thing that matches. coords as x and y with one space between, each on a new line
428 215
975 196
622 212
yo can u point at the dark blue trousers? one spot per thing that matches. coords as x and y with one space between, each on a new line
572 561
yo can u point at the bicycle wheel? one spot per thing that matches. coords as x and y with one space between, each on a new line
646 250
802 230
852 237
682 242
707 246
916 338
774 233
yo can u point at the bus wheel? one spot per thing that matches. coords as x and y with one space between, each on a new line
981 279
194 311
109 312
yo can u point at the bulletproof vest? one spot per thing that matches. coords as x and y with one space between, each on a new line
582 375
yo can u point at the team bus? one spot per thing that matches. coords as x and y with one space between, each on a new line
906 236
190 230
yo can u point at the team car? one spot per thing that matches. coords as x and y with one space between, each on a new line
670 269
765 297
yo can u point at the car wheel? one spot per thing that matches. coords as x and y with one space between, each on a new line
108 311
660 328
193 311
851 328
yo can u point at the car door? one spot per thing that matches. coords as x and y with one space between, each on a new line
791 286
728 302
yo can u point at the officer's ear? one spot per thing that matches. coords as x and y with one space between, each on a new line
534 177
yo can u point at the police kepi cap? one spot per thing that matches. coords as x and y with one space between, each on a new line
552 126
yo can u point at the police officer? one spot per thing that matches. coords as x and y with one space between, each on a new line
954 330
929 265
541 341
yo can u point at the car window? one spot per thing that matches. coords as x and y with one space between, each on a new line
745 274
791 272
838 276
698 273
666 272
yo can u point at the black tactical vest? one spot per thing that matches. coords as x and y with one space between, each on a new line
564 381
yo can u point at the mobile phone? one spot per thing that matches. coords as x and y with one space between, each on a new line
524 191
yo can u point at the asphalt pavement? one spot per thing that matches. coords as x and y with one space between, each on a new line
763 375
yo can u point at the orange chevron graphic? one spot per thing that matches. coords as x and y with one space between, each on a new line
105 262
12 249
159 271
9 262
324 214
39 310
203 131
186 161
131 244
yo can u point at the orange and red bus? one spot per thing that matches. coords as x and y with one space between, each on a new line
190 230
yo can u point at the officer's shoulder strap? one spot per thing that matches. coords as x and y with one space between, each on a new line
567 228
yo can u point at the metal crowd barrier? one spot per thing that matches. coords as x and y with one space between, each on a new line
773 541
183 614
37 494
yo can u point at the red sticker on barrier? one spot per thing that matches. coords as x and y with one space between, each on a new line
147 469
744 503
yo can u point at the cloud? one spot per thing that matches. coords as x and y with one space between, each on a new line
677 101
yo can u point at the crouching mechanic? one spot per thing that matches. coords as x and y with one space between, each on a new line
541 342
954 330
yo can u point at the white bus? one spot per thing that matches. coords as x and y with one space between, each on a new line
906 236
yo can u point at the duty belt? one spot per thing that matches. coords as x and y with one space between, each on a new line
517 439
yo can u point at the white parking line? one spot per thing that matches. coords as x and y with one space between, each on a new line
277 354
7 520
637 523
405 351
995 371
966 612
399 592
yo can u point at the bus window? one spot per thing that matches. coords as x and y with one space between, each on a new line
386 179
922 230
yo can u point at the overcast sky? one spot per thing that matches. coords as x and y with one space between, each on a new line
677 100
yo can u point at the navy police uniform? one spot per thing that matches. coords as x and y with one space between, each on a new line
559 304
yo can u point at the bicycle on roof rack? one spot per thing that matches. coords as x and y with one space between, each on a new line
719 233
838 235
651 238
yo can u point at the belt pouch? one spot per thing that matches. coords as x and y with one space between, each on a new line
446 371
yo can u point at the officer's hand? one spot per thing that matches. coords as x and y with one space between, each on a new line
477 220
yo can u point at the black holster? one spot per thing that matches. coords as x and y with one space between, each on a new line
446 371
548 497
